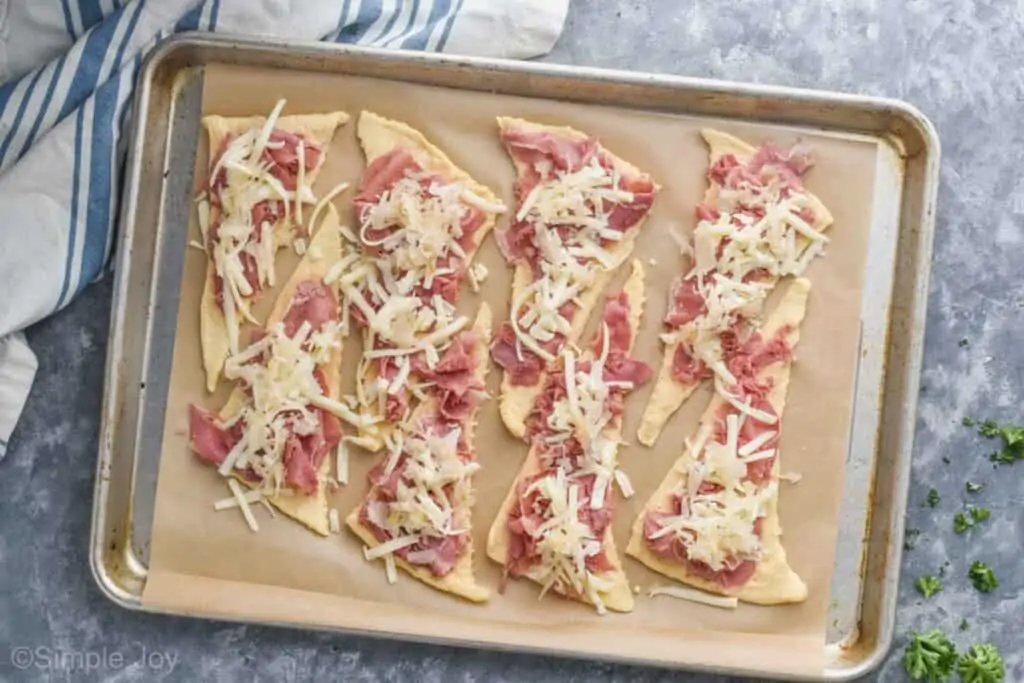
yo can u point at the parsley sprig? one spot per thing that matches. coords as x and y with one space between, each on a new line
1012 437
928 585
982 576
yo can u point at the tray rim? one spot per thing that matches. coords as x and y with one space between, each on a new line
897 111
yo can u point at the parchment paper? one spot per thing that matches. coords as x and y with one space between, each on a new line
210 562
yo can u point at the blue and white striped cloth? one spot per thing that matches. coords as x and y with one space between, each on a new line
68 68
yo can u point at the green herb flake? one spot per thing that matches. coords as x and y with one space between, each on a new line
963 521
973 487
978 514
928 586
1007 456
968 422
982 576
964 625
930 657
988 429
981 664
933 498
1012 437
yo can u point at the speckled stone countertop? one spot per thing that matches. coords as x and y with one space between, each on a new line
959 61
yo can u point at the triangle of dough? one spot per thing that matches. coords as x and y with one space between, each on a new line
517 401
379 136
669 394
327 246
620 597
212 325
460 580
774 581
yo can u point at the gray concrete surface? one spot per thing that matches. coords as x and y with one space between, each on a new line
959 61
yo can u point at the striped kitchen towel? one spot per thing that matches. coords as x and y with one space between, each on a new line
68 68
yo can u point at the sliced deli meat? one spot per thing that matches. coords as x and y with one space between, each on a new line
260 182
416 515
282 423
756 224
554 526
713 523
421 221
578 211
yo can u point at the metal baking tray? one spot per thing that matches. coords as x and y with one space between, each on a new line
156 202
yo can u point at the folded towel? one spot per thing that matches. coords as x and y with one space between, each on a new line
61 123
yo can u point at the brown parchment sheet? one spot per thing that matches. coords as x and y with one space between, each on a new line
209 562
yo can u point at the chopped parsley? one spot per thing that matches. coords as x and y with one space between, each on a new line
982 576
963 343
964 625
1012 437
989 429
973 487
962 521
1007 456
928 586
933 498
943 568
967 422
930 657
981 664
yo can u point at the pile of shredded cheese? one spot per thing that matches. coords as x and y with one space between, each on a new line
278 374
430 496
569 263
738 259
564 542
717 527
248 180
415 230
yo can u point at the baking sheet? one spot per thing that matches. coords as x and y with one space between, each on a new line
192 545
